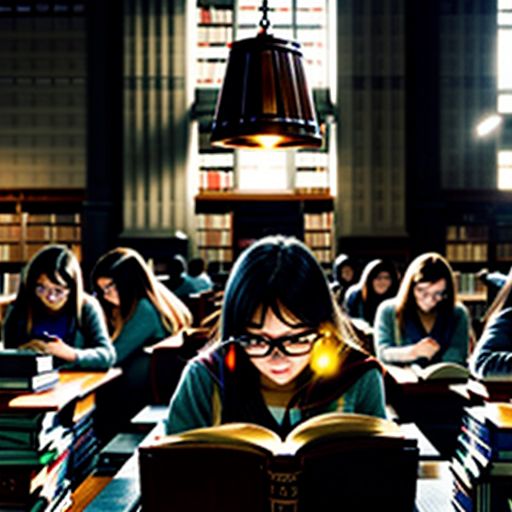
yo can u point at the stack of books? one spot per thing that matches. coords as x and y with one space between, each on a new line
482 463
26 371
78 416
34 455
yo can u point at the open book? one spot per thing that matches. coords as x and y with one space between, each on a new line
324 427
443 370
247 466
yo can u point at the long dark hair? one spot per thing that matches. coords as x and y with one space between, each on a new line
281 274
134 280
61 267
371 300
429 267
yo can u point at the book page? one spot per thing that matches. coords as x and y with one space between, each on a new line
228 434
338 424
442 370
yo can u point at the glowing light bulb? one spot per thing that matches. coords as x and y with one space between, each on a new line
324 360
267 141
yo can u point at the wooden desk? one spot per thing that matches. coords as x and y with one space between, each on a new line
431 404
71 385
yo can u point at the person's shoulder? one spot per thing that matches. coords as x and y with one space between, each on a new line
504 316
387 306
353 291
460 310
90 303
144 305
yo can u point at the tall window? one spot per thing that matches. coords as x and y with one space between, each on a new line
504 86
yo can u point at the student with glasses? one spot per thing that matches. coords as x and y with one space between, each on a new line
424 323
379 281
286 352
53 315
140 311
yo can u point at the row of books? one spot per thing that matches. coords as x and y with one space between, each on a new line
210 73
318 239
467 282
39 232
470 233
214 238
214 220
215 180
212 14
482 463
214 35
324 256
504 251
466 251
322 220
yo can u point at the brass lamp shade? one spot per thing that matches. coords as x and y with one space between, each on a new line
264 101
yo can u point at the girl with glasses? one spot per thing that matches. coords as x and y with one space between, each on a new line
287 352
140 311
424 323
379 281
53 315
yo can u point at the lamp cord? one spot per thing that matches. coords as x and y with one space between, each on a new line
264 22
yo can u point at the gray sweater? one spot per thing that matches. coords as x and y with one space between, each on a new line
90 338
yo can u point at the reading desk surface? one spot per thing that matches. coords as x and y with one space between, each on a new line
71 385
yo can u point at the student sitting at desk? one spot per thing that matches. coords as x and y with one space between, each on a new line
492 355
287 353
424 323
53 315
378 282
140 311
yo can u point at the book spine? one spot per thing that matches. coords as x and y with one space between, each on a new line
284 480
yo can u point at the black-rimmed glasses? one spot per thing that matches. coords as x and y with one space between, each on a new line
295 345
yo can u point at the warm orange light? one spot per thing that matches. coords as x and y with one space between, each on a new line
267 141
325 355
230 358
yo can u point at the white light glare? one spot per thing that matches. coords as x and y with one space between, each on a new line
488 125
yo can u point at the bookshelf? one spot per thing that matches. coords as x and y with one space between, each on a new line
318 235
31 219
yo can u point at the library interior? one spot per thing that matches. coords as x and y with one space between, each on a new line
312 316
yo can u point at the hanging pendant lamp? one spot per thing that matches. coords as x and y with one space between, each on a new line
264 101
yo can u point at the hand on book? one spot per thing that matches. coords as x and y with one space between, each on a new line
426 347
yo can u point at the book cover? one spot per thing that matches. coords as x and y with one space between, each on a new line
246 465
34 383
23 363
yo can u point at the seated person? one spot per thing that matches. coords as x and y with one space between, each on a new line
53 315
492 355
379 281
424 323
199 278
180 283
279 323
344 275
140 311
